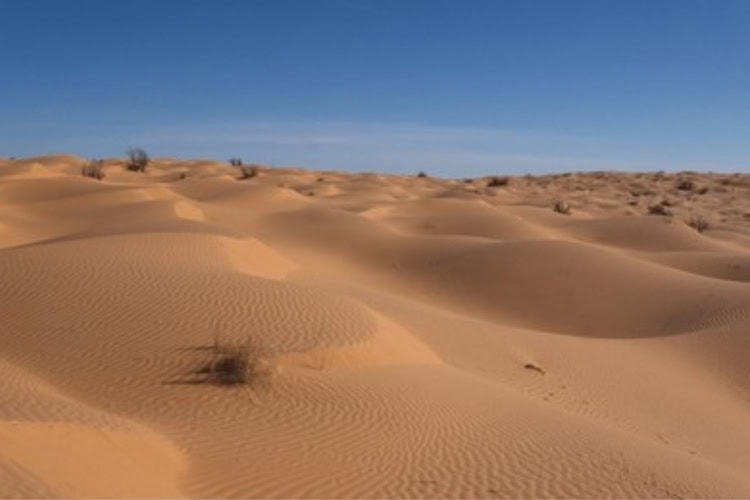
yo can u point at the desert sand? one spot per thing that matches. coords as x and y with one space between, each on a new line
419 337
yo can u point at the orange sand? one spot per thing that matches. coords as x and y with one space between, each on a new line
423 337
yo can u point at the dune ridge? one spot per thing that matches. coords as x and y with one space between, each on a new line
423 337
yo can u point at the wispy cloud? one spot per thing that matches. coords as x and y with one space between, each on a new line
443 150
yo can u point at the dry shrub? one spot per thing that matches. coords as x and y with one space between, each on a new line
561 207
685 185
236 364
137 160
93 169
422 174
248 172
498 181
659 209
235 162
698 222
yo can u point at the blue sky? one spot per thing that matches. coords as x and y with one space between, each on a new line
452 87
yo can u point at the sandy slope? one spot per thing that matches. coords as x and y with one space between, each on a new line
420 337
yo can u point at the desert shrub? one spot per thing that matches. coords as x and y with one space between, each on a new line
422 174
685 185
703 190
659 209
137 160
498 181
93 169
248 172
235 162
698 222
561 207
236 364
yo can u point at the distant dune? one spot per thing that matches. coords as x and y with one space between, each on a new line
568 336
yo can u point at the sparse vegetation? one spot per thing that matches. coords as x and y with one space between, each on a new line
698 222
561 207
137 160
248 172
496 181
235 364
659 209
235 162
685 185
93 169
422 174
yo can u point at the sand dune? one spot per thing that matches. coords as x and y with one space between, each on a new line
418 337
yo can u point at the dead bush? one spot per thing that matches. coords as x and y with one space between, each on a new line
93 169
236 364
659 209
561 207
137 160
248 172
698 222
496 181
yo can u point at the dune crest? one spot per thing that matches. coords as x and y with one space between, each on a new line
564 336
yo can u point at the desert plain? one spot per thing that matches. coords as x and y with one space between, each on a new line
572 336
